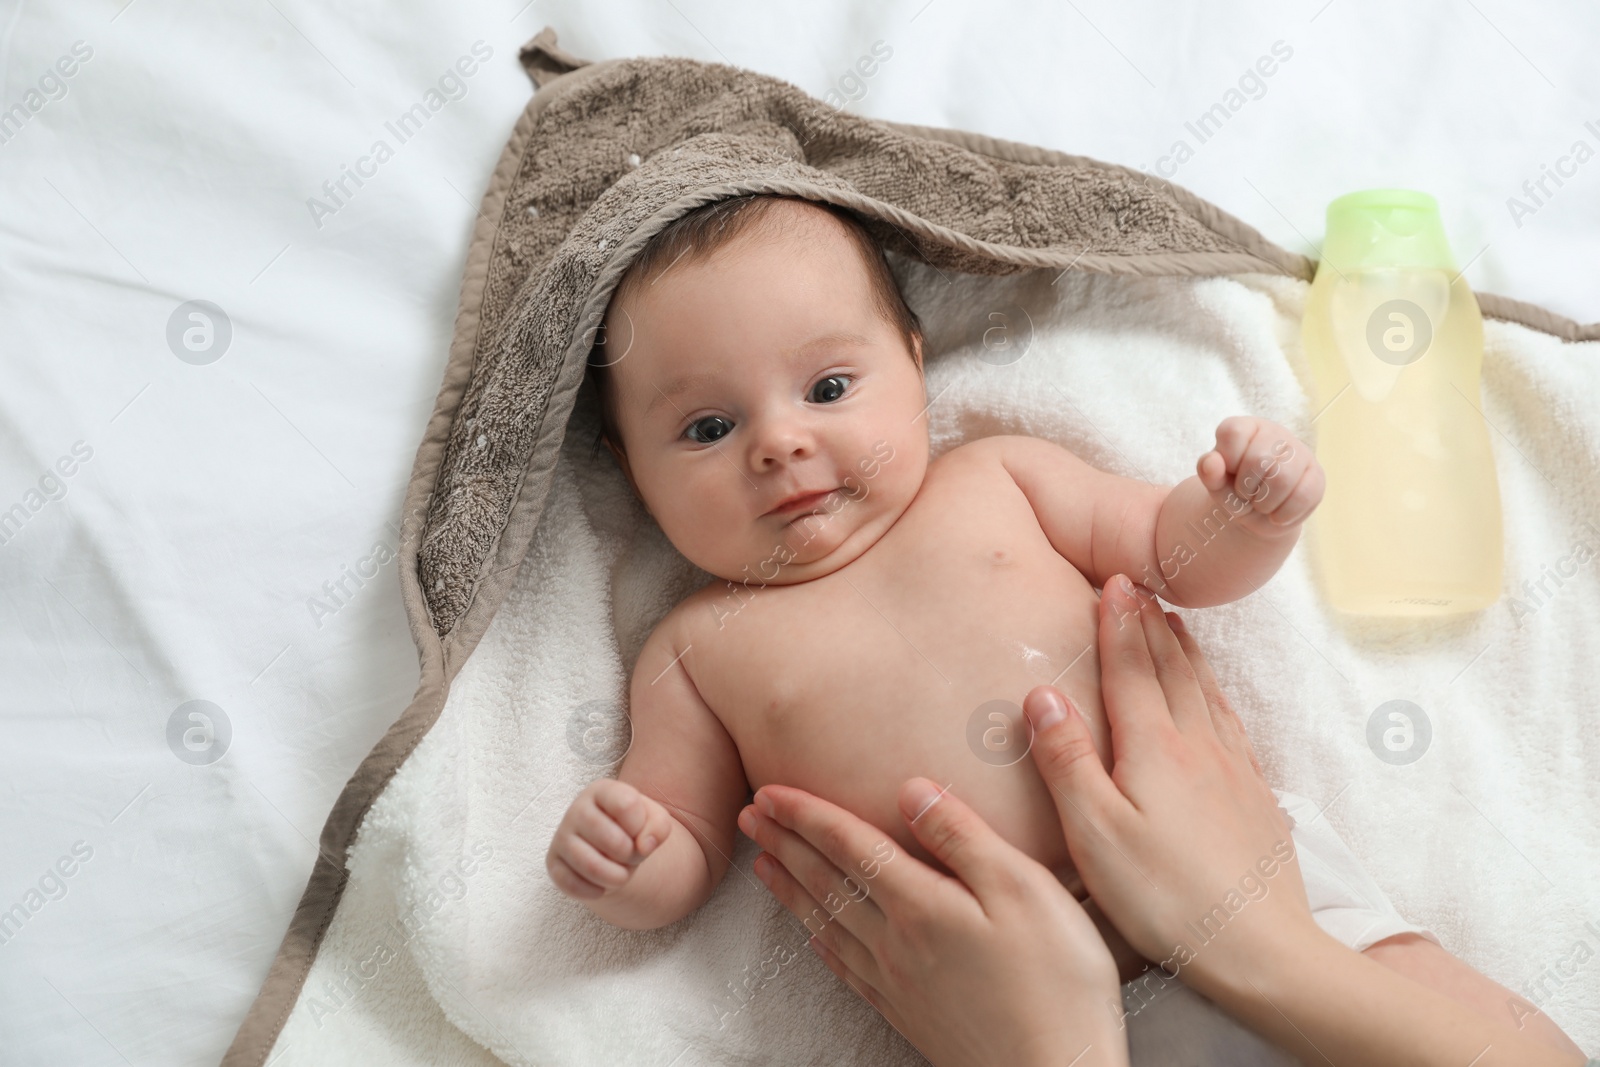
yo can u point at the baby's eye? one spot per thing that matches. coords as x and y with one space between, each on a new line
832 387
710 434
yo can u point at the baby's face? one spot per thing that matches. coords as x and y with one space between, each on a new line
759 374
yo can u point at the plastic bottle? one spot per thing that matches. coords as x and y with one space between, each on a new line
1410 521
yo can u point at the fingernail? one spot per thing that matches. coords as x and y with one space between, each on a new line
917 798
649 843
762 869
747 821
1054 710
1125 585
1175 620
764 802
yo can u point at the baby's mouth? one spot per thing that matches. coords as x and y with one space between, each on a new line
803 505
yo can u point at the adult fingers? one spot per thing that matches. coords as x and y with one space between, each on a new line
857 849
1175 673
957 837
849 951
865 989
1136 708
1224 720
842 891
1085 797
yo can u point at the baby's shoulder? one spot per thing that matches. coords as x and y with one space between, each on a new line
688 618
989 454
674 626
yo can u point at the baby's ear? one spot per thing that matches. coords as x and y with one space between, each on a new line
622 461
619 455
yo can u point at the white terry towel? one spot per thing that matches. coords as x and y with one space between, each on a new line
451 939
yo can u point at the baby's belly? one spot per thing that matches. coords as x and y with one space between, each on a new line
847 690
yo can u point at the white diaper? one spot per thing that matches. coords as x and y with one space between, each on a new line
1168 1023
1344 899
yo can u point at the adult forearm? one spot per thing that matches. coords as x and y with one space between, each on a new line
1093 1042
669 883
1324 1002
1212 548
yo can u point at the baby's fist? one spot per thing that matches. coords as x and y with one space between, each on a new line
1266 466
607 832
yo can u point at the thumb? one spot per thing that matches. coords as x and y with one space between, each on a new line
657 827
958 837
1063 750
1212 470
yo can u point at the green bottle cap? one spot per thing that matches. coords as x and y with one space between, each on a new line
1386 228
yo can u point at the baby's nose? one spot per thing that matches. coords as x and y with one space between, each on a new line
782 442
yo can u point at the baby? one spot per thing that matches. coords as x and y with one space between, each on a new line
877 616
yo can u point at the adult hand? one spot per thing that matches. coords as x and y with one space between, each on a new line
1183 838
1185 849
1182 841
998 964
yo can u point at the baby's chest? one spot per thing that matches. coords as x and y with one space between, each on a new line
962 602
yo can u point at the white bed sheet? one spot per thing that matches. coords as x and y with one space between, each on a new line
212 506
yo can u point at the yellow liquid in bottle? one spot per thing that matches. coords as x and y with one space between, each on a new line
1410 522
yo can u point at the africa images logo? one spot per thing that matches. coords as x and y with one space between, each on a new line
198 732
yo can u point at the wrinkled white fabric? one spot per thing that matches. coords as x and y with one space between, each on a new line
182 560
1133 374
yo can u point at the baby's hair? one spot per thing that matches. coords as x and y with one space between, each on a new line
704 230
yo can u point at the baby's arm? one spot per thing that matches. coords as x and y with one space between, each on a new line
1210 539
681 783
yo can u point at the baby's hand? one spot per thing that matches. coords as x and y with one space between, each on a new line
1267 466
607 832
